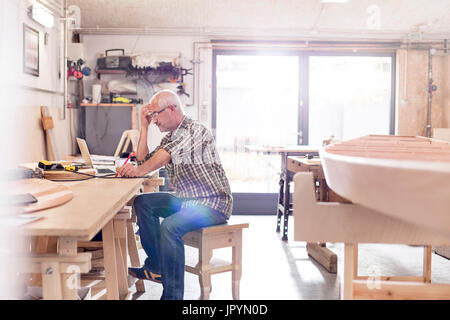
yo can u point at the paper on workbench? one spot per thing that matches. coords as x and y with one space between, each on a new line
103 160
19 219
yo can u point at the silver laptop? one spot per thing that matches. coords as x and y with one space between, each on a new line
111 169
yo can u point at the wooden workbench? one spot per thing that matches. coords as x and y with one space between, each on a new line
94 206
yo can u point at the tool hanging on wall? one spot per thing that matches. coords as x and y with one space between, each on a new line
74 69
181 86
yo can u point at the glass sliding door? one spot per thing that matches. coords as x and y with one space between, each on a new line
349 96
256 103
290 98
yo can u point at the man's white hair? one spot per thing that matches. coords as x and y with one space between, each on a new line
167 97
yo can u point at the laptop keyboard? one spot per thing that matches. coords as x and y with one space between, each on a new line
105 171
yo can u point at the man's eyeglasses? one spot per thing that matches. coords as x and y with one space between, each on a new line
152 115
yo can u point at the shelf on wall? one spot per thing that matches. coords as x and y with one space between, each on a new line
107 105
109 71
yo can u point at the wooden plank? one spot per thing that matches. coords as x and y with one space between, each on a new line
401 291
67 175
32 264
282 149
90 244
390 278
222 228
324 256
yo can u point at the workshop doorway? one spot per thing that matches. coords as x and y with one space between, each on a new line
292 98
256 103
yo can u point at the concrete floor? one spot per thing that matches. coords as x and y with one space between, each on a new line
278 270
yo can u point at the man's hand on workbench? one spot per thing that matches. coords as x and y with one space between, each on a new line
130 170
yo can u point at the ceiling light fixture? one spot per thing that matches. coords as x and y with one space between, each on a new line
334 1
41 15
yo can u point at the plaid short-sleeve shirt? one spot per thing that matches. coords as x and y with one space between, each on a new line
195 169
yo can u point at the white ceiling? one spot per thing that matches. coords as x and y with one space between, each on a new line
383 19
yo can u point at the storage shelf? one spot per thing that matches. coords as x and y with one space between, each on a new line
106 105
110 71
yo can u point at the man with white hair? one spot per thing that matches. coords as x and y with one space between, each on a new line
202 193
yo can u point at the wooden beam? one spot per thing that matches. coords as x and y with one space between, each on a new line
324 256
427 264
401 290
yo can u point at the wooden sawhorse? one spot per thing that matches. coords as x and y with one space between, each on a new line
352 224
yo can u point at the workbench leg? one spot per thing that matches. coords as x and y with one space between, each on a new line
427 264
349 264
355 261
280 203
51 281
42 244
109 248
286 209
70 283
134 255
121 256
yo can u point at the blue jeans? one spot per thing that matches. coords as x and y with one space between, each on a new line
162 242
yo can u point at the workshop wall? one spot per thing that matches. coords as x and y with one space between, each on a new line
29 136
446 92
96 44
412 97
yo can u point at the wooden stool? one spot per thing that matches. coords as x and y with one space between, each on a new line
215 237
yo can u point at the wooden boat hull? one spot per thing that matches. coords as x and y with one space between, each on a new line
414 191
